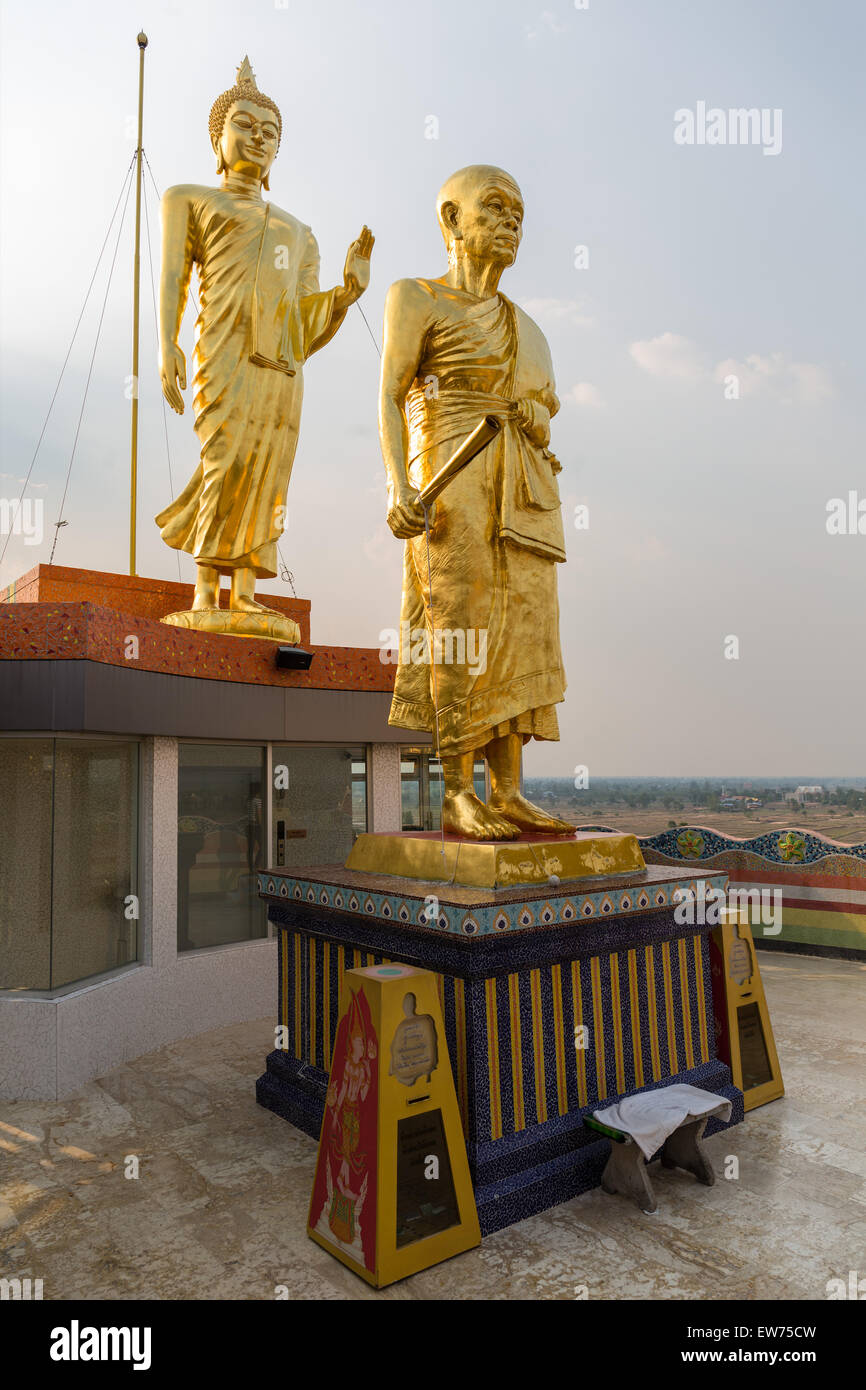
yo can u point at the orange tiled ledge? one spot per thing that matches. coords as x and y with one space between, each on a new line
125 593
90 632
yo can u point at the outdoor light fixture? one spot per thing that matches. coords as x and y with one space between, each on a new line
294 659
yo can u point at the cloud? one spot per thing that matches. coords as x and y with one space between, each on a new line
669 355
584 393
378 484
379 548
568 310
677 358
804 382
549 19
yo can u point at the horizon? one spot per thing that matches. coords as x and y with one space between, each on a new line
696 777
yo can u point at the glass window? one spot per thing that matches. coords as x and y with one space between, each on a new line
410 791
95 859
359 793
69 867
220 838
421 788
26 775
319 804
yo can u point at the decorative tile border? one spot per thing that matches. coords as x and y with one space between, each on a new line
792 846
489 920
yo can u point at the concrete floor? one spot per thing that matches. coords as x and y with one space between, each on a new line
219 1208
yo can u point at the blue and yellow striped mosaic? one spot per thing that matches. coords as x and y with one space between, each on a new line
552 1039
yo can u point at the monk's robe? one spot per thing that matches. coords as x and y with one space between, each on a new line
261 315
495 539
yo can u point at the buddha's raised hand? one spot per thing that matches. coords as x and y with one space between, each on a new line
356 272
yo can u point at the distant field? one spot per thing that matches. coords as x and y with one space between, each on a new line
849 829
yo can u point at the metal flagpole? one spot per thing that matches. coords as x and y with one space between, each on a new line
142 45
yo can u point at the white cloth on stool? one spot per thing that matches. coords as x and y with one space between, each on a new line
650 1116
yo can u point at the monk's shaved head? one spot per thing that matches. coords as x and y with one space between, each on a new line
467 184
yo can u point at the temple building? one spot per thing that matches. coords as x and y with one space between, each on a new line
147 774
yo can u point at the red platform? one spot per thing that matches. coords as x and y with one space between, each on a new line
127 593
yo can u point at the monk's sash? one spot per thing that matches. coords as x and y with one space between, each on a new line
529 512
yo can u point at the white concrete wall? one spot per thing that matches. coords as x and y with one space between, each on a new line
49 1047
386 800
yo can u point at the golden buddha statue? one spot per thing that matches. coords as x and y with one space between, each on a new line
262 315
456 350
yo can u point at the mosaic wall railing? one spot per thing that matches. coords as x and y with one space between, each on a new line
821 884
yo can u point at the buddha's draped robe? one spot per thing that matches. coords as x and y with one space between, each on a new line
495 540
261 316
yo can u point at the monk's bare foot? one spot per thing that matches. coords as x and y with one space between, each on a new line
464 814
523 814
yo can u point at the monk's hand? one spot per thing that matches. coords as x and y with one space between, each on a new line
405 514
534 419
356 271
172 373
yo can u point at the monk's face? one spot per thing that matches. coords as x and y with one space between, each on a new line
249 139
489 217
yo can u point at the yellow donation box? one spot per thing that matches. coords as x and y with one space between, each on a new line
744 1034
392 1193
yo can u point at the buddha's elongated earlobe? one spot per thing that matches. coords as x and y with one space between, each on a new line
265 185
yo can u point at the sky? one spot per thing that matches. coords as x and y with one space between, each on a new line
707 341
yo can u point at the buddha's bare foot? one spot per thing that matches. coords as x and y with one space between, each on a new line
244 604
205 603
522 813
464 814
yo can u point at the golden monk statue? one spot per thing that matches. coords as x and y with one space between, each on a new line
455 350
262 315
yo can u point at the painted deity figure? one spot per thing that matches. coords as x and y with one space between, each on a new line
347 1190
455 349
261 316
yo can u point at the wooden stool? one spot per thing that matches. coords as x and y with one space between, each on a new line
626 1170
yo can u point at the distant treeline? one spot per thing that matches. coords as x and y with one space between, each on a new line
675 793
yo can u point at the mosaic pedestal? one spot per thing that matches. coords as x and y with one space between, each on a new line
522 972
